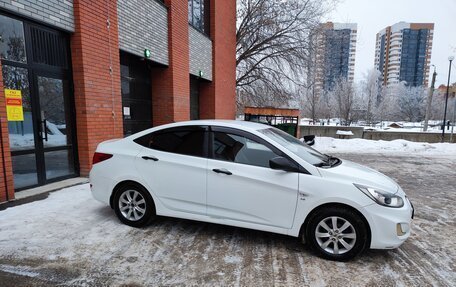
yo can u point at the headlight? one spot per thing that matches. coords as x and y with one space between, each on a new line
382 197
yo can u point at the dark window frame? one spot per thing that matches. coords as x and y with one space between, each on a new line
204 13
26 59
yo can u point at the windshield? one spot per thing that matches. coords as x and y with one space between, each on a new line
296 146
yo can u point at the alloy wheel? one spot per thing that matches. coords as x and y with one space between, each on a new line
335 235
132 205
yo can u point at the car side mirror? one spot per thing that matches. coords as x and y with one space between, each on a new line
309 140
281 163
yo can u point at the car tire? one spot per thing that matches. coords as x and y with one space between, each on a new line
349 238
134 205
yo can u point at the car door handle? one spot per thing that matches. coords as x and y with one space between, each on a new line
150 158
222 170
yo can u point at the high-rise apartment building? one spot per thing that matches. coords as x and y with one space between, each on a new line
403 53
334 56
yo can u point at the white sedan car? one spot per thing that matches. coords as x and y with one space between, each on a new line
253 176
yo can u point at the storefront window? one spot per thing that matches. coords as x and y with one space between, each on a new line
12 42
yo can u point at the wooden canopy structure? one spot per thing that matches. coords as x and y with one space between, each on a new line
284 119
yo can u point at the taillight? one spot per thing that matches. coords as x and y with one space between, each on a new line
99 157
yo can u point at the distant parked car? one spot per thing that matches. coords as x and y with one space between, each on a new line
253 176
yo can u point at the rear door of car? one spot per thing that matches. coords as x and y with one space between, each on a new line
173 163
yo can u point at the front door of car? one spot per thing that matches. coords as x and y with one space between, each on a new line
242 187
173 163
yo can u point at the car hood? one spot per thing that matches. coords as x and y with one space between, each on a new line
360 174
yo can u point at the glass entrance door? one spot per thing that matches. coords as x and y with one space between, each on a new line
21 133
55 138
37 87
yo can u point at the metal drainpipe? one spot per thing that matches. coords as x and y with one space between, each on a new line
3 151
3 161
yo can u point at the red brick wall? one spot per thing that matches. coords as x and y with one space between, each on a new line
217 99
98 101
171 86
97 96
6 169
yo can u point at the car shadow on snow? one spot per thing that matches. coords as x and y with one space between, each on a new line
106 211
247 239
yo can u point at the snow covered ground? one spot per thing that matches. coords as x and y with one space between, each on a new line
69 239
398 147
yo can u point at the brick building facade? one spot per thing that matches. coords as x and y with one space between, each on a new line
86 71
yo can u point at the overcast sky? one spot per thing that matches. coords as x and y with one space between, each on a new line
374 15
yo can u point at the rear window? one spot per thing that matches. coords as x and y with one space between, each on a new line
183 140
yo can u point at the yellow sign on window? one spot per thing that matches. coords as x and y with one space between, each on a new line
14 110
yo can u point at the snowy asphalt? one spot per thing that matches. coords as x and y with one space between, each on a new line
69 239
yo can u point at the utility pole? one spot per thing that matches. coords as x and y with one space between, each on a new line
429 101
454 117
451 58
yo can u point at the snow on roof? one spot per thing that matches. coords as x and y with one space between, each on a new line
395 125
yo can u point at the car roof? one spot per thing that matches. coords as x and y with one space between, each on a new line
245 125
242 125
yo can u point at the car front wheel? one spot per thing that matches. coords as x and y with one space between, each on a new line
133 205
337 233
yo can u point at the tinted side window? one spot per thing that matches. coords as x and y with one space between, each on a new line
186 141
239 149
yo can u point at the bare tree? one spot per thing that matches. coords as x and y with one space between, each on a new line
386 108
438 103
411 103
370 89
311 105
273 44
342 100
262 96
437 106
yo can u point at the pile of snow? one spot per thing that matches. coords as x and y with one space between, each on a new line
344 133
332 145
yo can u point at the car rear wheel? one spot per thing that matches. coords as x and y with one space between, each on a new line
337 233
133 205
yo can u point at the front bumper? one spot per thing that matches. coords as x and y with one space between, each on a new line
390 227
